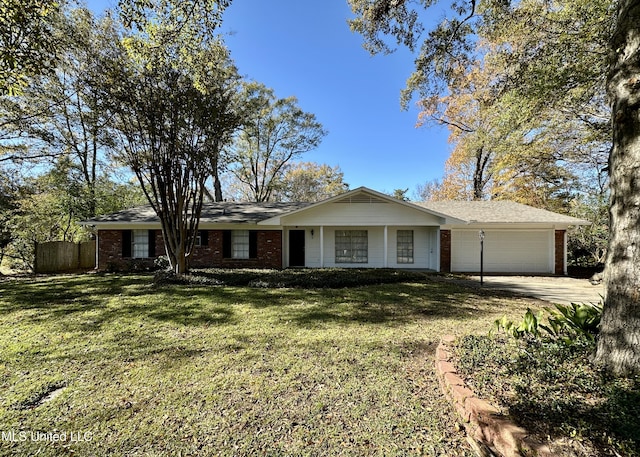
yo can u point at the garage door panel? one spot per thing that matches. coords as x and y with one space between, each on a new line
504 251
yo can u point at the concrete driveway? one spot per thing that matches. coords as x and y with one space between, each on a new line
554 289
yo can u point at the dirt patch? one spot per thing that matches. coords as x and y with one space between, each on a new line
43 396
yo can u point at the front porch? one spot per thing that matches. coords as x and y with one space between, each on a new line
381 246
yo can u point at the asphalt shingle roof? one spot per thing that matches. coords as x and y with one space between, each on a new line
493 211
498 211
219 213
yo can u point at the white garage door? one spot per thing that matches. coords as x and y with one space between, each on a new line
505 251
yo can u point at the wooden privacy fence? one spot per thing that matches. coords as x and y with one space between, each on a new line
58 256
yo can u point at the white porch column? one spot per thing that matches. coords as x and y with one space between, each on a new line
386 247
322 246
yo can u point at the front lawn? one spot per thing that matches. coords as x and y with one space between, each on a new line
115 366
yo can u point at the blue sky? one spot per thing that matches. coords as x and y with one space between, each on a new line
305 48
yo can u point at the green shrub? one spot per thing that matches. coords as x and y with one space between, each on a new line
161 263
567 323
575 320
528 326
327 278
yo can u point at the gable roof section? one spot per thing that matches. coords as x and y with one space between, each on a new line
499 212
363 195
212 213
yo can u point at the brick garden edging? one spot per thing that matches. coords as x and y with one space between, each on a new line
489 432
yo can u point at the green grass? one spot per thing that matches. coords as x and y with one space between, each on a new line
218 370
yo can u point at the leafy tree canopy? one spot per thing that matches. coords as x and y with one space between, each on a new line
28 46
310 182
274 132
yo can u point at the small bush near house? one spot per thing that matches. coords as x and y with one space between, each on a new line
161 263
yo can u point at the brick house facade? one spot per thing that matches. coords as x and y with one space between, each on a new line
114 253
360 228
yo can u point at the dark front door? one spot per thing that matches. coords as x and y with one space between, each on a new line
296 248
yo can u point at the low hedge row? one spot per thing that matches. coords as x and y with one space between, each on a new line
331 278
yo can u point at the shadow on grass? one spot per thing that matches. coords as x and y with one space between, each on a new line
86 303
391 304
623 406
97 300
193 314
615 422
42 292
553 389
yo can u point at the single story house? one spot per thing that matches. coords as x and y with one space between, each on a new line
360 228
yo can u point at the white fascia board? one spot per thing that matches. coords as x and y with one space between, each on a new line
122 225
157 226
506 226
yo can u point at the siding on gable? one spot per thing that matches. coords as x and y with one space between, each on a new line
362 215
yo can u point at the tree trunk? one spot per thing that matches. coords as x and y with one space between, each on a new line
479 178
174 244
215 175
619 342
217 187
181 266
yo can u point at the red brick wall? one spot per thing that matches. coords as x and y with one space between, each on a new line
269 252
559 252
269 244
445 251
110 250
